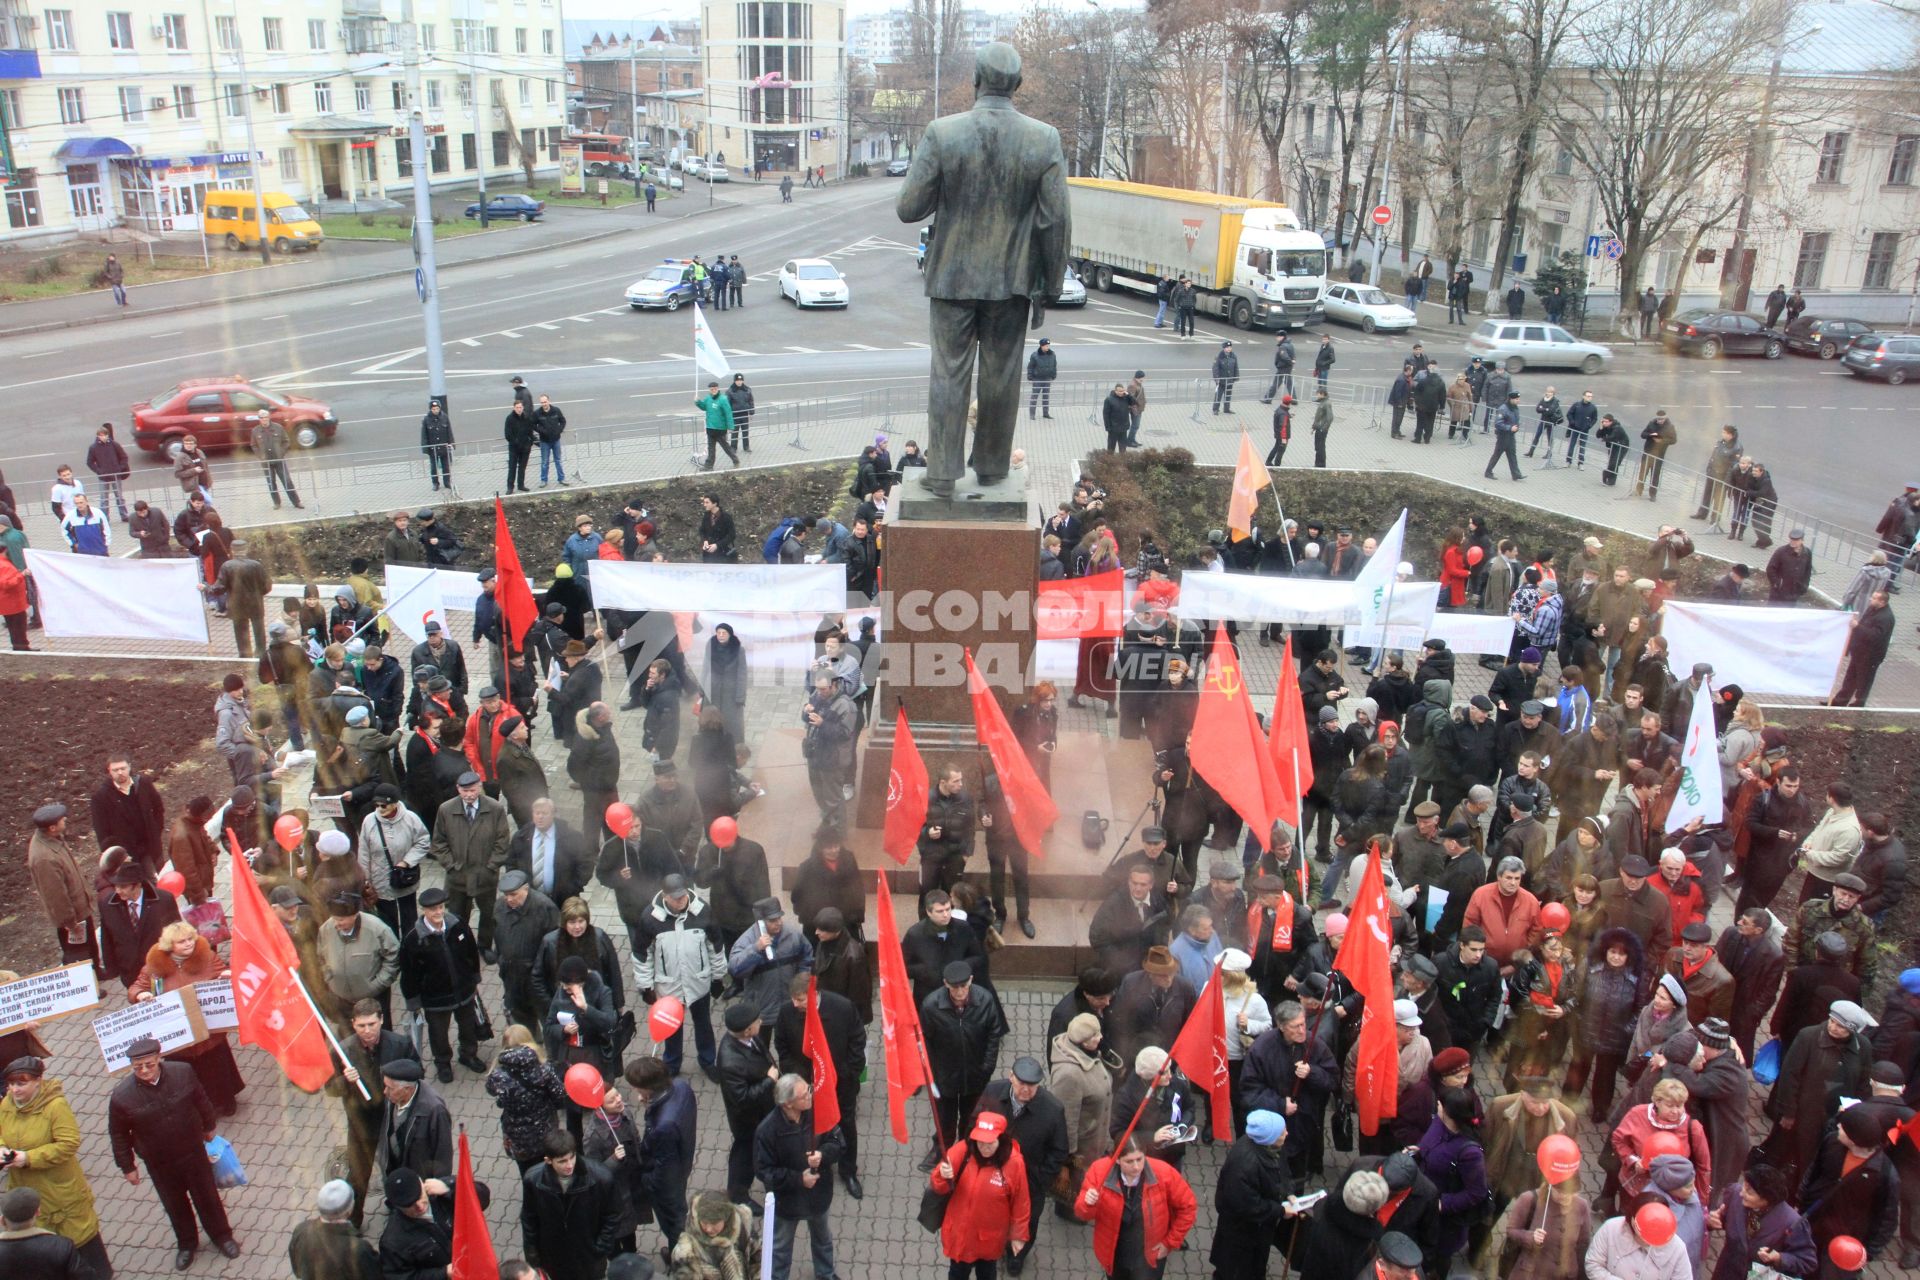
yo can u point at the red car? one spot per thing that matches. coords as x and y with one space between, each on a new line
221 413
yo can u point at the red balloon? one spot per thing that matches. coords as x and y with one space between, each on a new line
171 882
584 1085
620 818
1654 1223
1559 1158
723 831
665 1018
288 832
1661 1142
1847 1253
1556 917
1476 554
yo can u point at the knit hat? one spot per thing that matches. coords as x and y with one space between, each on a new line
1713 1033
1680 1046
1266 1127
333 844
1083 1029
1675 991
1365 1193
1670 1173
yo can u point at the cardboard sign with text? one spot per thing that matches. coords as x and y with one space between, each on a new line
217 1011
173 1019
52 993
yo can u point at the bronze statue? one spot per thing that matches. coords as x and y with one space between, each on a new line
994 182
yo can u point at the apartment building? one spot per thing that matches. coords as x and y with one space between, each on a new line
646 79
775 75
118 116
876 38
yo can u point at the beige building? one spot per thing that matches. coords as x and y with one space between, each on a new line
116 116
775 76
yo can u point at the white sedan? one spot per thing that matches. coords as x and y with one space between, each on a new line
813 282
1073 293
1368 307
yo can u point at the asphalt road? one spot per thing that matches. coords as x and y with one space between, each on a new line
1838 446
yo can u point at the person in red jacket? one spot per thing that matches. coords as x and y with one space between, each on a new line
987 1209
1140 1201
1679 881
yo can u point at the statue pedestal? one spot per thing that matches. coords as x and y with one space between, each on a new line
1002 502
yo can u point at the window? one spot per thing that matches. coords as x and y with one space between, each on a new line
60 30
120 31
1881 251
1833 158
1562 162
1482 238
519 39
184 105
497 93
1550 233
23 208
270 32
433 95
73 106
236 99
316 33
173 28
399 94
363 95
282 102
546 41
1813 259
437 155
427 36
553 91
10 109
493 40
132 106
226 32
403 156
499 146
469 156
288 162
462 39
463 93
1900 167
323 97
526 92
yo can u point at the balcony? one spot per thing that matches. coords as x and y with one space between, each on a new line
19 64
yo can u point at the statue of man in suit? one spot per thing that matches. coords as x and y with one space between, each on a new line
994 182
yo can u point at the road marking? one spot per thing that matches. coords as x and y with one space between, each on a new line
921 346
261 320
1766 406
612 360
861 346
735 351
675 355
36 355
582 319
363 302
469 342
509 333
805 351
166 333
548 327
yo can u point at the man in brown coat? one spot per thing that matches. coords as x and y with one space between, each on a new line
1136 405
62 888
1709 986
470 837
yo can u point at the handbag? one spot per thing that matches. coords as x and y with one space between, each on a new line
623 1032
1342 1124
933 1202
227 1169
399 875
482 1024
209 918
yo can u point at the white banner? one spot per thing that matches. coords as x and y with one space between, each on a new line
39 997
416 596
720 588
1056 660
99 596
1788 652
1463 632
1375 580
1700 781
1249 597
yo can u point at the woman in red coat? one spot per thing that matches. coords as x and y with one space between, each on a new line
987 1211
1136 1199
1455 569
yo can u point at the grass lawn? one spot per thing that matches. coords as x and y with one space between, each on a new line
390 226
60 274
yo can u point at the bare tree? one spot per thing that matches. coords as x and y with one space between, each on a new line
1525 39
1452 128
1344 44
1267 47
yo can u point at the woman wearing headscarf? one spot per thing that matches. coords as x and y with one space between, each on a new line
1761 1228
1451 1157
1665 1014
1082 1080
719 1244
1671 1178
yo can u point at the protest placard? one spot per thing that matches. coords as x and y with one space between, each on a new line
173 1019
217 1011
49 994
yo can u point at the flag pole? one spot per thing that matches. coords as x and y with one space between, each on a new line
326 1029
1299 817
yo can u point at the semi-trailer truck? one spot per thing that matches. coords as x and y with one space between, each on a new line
1249 260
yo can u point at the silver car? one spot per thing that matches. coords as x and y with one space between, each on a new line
1528 344
1073 293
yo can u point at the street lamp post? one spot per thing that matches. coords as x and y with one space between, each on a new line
426 276
1386 169
1758 139
1106 95
253 154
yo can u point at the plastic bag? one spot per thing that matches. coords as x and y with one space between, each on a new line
1766 1062
210 919
227 1169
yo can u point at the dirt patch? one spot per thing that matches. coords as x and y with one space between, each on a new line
1163 492
63 717
757 500
51 275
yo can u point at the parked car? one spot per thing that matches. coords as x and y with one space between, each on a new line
898 166
1526 344
1368 307
666 286
510 205
813 282
221 413
704 169
1824 336
1711 334
1894 357
1073 291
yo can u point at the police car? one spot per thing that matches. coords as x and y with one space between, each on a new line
667 285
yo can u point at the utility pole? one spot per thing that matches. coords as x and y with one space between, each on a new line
425 277
1386 170
1759 145
481 140
253 156
939 54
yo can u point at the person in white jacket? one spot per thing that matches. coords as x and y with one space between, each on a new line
1624 1249
1830 847
680 957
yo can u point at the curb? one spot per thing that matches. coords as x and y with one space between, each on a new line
53 326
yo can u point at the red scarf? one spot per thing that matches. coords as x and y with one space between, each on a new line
1545 999
1282 939
1391 1207
1688 970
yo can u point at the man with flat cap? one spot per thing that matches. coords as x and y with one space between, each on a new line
522 918
994 182
747 1074
1038 1122
439 973
416 1130
765 957
1395 1258
329 1246
963 1026
30 1250
1826 1061
132 914
369 1050
62 886
470 838
417 1241
160 1113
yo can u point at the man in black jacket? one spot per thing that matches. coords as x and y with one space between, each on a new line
132 915
633 867
1038 1123
565 862
1133 918
127 810
932 945
747 1075
161 1114
716 532
1282 368
369 1049
416 1132
796 1165
1226 372
846 1045
570 1212
1753 956
436 441
963 1027
418 1238
1469 987
519 433
1092 994
1042 368
439 972
548 425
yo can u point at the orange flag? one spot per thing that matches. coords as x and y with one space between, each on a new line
899 1019
1287 741
1031 808
1363 958
1226 748
906 793
1249 478
515 595
826 1077
1201 1051
473 1255
274 1011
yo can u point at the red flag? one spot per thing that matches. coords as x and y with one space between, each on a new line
1070 608
274 1011
473 1256
1287 741
899 1019
1031 808
1226 749
1910 1129
826 1077
1201 1051
906 793
1363 958
512 591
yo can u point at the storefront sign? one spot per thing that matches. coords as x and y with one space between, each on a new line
50 994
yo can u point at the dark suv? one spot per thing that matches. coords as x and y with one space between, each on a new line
1824 336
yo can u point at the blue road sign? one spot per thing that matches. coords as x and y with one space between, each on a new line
1594 244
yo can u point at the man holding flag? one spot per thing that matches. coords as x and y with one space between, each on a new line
796 1166
818 1037
719 411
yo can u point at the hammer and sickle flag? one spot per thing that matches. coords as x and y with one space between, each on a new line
1364 960
1228 749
